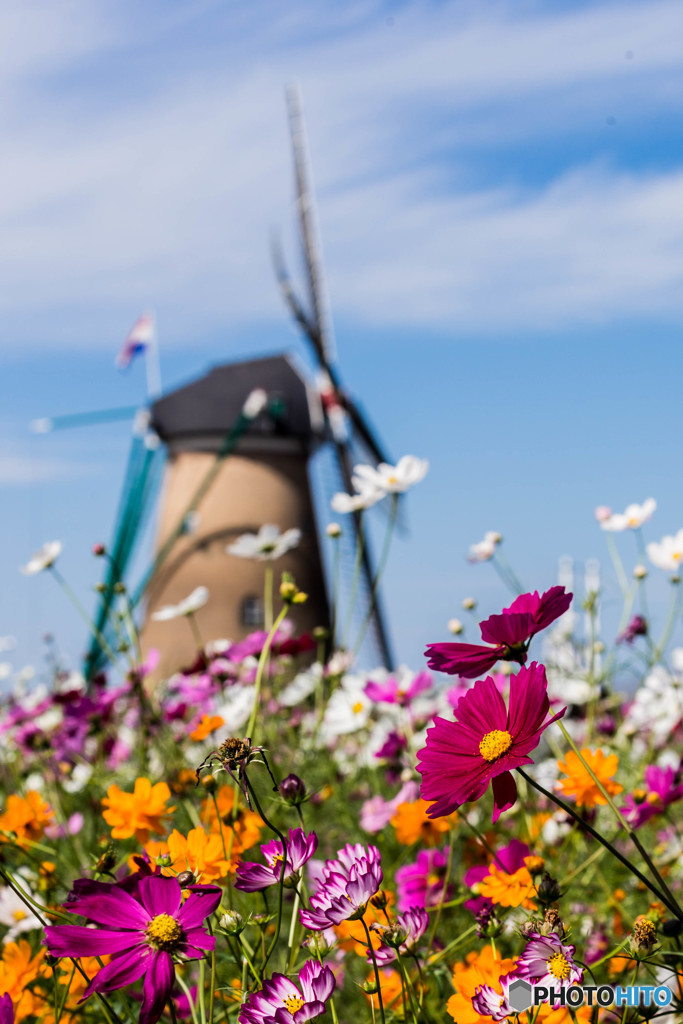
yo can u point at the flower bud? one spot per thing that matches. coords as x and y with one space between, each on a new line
106 862
293 790
209 783
639 572
321 633
316 944
395 936
369 987
675 579
469 604
379 900
98 550
185 878
333 530
232 922
672 928
119 588
100 587
455 627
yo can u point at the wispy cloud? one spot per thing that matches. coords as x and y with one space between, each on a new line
145 160
25 470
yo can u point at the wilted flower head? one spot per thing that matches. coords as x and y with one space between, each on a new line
188 606
265 546
44 558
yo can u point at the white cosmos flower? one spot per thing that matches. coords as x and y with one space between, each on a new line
43 559
485 549
365 498
196 600
657 707
237 708
302 686
348 709
266 545
668 553
631 519
15 915
390 479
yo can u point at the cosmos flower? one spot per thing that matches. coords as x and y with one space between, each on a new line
509 863
142 927
479 969
300 849
485 742
281 1001
510 632
6 1009
423 883
265 546
398 688
387 479
365 498
137 813
579 782
411 823
27 817
546 961
346 886
494 1002
667 554
484 550
404 935
663 788
631 519
44 558
637 626
188 606
15 915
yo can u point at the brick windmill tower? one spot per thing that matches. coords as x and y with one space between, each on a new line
264 479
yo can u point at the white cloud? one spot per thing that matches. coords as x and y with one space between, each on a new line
24 470
145 160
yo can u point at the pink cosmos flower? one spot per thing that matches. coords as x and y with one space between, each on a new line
662 791
547 961
485 743
423 884
396 690
347 884
377 812
489 1003
300 849
143 924
510 859
281 1001
510 633
410 927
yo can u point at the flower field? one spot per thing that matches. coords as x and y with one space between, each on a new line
274 835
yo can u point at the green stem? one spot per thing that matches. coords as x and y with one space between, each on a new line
192 623
281 885
84 615
259 671
268 596
374 964
674 608
617 563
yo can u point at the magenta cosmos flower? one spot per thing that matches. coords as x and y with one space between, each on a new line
143 924
6 1010
485 743
547 961
300 848
510 633
489 1003
280 1001
423 883
347 884
663 788
406 932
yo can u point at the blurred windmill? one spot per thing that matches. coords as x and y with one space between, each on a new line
228 471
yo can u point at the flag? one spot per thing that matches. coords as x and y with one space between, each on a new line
140 337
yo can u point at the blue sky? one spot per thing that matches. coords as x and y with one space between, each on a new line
500 191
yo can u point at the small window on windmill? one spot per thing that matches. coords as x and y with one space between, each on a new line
252 611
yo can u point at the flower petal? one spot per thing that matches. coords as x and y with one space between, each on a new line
199 905
160 895
122 970
159 980
76 940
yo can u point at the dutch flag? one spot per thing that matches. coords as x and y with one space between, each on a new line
139 339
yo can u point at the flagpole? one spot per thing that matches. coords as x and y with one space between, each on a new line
153 363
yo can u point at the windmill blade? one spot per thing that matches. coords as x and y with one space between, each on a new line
46 424
310 238
288 294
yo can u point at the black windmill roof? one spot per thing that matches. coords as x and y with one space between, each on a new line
201 413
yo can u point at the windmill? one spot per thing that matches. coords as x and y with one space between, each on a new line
228 472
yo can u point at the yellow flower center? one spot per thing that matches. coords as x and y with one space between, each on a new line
293 1003
276 858
495 744
558 965
19 915
163 932
393 479
357 707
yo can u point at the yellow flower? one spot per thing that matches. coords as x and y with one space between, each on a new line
207 725
137 813
201 854
506 890
580 784
27 817
478 969
411 824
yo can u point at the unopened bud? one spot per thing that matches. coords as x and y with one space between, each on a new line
185 878
379 900
98 550
675 579
119 588
321 633
316 944
100 587
369 987
640 572
333 530
106 862
548 889
293 790
209 783
552 923
455 627
232 922
469 604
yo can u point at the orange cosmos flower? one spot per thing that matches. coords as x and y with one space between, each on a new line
478 969
351 934
18 968
411 824
207 725
580 784
137 813
247 825
506 890
26 817
201 854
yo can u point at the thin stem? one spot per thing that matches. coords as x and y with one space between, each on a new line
374 964
568 809
192 623
84 615
259 671
674 608
617 563
281 885
268 596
